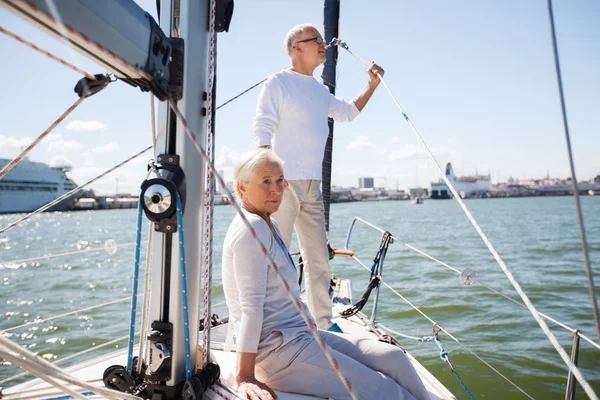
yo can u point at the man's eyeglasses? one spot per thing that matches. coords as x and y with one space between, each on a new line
318 39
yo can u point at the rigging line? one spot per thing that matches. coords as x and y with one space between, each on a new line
145 301
584 245
444 330
209 188
64 196
36 322
241 94
184 298
309 322
31 367
60 361
20 157
572 330
47 53
45 257
47 368
134 289
561 351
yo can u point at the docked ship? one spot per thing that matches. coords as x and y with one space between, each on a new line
30 185
466 186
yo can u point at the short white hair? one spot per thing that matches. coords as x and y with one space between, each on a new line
293 34
247 165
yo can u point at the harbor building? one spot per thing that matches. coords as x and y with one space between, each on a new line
366 183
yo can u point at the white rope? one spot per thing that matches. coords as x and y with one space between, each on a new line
45 257
563 354
60 361
40 365
444 330
40 373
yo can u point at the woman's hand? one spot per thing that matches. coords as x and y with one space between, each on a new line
252 389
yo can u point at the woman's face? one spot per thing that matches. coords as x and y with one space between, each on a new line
263 194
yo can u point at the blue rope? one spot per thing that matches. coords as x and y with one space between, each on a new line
444 357
136 273
186 326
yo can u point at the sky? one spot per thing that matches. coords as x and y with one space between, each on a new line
476 78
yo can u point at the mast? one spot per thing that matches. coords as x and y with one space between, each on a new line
166 311
331 17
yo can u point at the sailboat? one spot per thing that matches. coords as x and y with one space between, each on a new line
168 201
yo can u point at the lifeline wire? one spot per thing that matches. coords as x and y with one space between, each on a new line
575 370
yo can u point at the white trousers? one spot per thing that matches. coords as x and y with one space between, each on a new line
302 209
375 370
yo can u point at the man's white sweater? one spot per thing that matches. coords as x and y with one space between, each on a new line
291 116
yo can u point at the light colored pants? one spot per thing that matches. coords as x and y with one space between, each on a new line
375 370
302 208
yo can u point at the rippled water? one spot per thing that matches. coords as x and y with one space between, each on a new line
537 238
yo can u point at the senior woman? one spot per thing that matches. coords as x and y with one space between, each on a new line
275 350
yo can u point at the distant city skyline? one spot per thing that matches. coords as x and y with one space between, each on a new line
477 79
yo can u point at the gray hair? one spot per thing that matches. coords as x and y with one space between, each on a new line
246 166
293 34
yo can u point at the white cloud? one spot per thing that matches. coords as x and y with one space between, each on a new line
361 142
10 146
85 126
60 161
396 139
63 146
226 158
103 149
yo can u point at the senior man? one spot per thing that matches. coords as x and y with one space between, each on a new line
291 117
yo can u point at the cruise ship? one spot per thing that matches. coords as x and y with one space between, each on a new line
30 185
466 186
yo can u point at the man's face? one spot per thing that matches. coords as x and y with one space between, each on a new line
311 50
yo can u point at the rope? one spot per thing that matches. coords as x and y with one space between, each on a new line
64 196
584 245
136 273
45 257
146 300
509 275
309 322
208 198
153 121
12 378
20 157
446 358
184 301
47 53
39 365
425 339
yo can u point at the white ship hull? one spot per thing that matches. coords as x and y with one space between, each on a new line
31 185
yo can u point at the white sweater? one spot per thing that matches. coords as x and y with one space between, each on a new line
256 299
291 115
